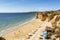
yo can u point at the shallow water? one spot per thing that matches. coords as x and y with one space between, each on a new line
11 19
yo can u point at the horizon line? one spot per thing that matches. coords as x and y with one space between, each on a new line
29 11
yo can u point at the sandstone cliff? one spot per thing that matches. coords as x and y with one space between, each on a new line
52 16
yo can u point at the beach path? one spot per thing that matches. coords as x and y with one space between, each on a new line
38 34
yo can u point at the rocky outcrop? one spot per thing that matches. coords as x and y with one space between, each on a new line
52 16
47 14
41 15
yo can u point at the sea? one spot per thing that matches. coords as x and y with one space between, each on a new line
8 20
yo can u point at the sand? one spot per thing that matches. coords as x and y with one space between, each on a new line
23 32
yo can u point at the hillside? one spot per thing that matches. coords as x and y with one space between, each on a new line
53 17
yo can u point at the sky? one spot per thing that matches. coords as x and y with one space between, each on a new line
28 5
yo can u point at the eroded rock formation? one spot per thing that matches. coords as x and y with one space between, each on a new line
47 14
52 16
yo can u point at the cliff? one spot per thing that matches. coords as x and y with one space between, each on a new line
52 16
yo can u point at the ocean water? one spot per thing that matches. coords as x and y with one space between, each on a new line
11 19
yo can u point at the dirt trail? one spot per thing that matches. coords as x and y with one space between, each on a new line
40 30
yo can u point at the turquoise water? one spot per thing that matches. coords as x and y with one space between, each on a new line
11 19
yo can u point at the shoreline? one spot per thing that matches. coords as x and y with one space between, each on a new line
5 31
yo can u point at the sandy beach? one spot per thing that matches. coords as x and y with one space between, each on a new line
23 32
31 30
